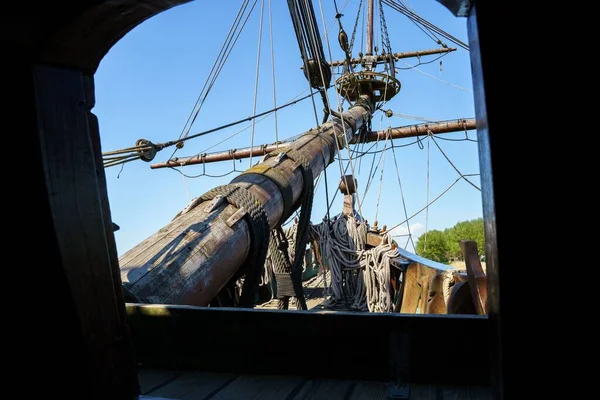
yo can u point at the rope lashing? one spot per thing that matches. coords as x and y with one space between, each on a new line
256 218
287 267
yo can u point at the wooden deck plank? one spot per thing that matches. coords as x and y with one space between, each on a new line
425 392
467 393
325 389
194 386
369 390
150 379
260 387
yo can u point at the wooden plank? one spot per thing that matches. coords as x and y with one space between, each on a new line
425 392
222 340
260 387
477 280
153 398
467 393
488 83
369 390
194 385
150 379
71 177
412 290
325 389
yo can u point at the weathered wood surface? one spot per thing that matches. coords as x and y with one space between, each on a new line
78 216
259 387
488 85
477 279
325 389
153 379
191 385
205 338
416 284
196 254
206 385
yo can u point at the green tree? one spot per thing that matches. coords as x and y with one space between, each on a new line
433 245
465 230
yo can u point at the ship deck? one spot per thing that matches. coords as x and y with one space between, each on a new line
184 385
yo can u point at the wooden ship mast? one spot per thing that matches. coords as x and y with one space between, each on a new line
225 233
100 336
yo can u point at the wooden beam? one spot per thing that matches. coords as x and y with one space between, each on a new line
489 84
397 56
72 178
191 259
395 133
210 339
477 279
417 130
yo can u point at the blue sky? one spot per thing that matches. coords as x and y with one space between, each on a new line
148 82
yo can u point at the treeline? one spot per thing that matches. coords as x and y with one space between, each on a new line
444 246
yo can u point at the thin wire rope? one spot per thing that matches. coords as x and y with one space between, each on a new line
428 205
452 164
437 79
342 172
423 62
219 64
387 137
403 199
426 24
167 144
341 116
380 186
183 178
246 128
260 25
223 46
273 73
427 199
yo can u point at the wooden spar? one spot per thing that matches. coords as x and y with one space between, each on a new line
397 56
396 133
369 40
194 256
417 130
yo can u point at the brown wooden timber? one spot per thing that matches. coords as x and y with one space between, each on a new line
477 279
369 38
396 133
397 56
194 256
204 338
417 130
73 178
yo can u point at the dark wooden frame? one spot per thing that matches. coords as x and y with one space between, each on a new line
53 50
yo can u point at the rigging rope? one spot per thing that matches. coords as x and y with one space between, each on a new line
222 57
427 198
273 73
262 8
417 19
452 164
436 78
258 226
410 238
287 267
360 277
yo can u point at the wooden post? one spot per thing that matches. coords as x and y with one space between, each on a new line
369 39
394 133
397 56
194 256
78 212
477 280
